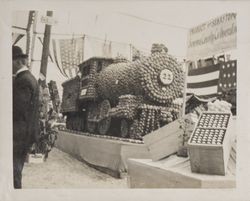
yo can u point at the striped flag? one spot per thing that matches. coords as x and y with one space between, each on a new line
68 54
211 80
203 81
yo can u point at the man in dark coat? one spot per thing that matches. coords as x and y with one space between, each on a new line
25 112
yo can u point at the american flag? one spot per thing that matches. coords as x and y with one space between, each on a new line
228 74
212 80
68 54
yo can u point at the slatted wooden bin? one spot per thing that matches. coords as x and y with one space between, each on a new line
210 143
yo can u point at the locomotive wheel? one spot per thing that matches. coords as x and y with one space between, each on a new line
82 123
104 125
68 122
79 123
69 119
75 123
92 112
104 109
124 128
91 126
72 123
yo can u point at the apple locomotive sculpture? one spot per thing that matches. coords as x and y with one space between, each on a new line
127 98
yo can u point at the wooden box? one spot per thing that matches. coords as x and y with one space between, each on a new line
164 141
35 158
210 143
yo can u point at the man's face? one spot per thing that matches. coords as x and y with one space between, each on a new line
18 64
15 65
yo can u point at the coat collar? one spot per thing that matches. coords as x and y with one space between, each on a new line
24 68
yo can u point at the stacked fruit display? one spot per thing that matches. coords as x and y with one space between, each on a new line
158 48
140 93
91 92
135 131
126 107
120 59
214 120
149 119
162 79
210 143
208 136
159 78
169 114
152 117
211 129
219 106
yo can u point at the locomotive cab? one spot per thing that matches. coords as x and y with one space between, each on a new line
89 70
88 100
79 95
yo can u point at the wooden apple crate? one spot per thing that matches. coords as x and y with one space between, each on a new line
167 140
164 141
210 143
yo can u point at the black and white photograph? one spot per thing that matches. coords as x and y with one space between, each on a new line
124 95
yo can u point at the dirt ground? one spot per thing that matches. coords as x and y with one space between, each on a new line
63 171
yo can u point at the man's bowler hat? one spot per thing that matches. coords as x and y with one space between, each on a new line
18 53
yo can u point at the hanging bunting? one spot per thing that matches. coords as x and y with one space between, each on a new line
68 54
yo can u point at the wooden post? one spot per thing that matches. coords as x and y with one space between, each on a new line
28 33
45 52
44 63
33 40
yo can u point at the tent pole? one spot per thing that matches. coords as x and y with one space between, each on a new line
43 69
33 39
45 52
28 33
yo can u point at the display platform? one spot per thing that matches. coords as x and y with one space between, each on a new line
107 155
175 172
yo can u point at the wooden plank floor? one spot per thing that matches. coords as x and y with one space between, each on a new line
175 172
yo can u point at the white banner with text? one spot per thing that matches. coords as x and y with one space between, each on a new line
213 37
